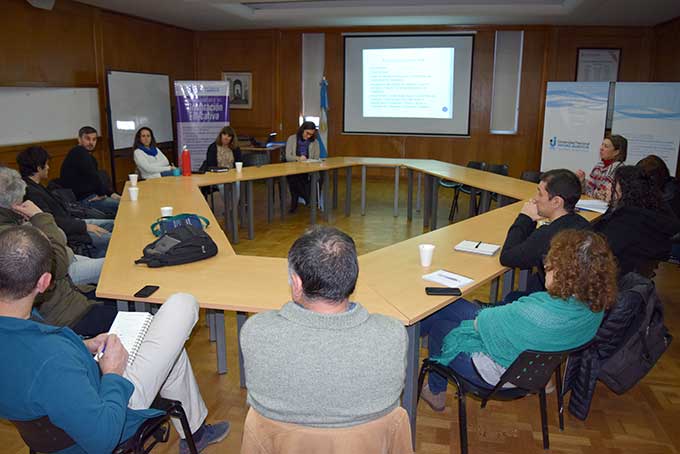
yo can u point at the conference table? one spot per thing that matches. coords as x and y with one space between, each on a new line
390 280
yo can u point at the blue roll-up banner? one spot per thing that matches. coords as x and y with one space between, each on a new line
648 115
202 110
574 122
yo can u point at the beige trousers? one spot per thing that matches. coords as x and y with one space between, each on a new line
162 365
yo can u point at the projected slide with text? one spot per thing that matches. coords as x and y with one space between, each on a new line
408 83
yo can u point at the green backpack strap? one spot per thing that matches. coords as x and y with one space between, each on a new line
156 226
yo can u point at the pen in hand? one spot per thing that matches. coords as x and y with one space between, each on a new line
99 354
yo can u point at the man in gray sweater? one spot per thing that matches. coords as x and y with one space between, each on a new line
322 360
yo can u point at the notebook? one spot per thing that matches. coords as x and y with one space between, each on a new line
131 328
477 247
599 206
448 279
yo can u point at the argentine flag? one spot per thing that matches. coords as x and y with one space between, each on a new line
323 119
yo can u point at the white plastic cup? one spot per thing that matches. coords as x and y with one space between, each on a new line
239 166
133 179
134 193
426 252
166 211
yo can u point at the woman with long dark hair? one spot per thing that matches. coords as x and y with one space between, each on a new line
638 225
301 147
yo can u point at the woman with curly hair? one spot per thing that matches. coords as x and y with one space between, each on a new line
481 343
638 225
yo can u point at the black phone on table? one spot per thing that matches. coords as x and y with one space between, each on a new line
146 291
446 291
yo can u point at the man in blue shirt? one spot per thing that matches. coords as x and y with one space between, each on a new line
50 371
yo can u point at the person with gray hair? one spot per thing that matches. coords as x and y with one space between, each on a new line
62 304
322 360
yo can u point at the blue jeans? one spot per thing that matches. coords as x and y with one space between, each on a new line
106 205
100 243
437 326
85 270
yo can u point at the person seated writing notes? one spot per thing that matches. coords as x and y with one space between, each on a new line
613 151
482 342
51 371
150 161
301 146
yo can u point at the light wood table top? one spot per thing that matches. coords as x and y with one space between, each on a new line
390 280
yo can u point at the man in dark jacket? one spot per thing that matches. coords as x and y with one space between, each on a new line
83 235
80 173
61 304
555 201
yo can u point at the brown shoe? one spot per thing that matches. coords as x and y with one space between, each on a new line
437 402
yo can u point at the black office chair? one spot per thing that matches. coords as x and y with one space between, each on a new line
531 175
41 436
459 187
500 169
530 374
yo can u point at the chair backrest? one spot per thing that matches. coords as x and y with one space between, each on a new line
42 436
500 169
479 165
532 369
251 159
531 175
388 434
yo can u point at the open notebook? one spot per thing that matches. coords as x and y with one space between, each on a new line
131 328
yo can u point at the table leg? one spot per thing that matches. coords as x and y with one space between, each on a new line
484 202
225 201
409 399
348 191
473 202
508 282
493 292
251 210
313 202
241 318
523 279
420 183
270 199
326 194
435 203
409 196
210 315
335 188
396 191
427 201
221 342
234 213
363 190
283 194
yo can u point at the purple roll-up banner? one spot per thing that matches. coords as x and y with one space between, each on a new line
202 110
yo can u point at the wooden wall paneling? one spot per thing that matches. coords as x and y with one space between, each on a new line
242 51
57 149
635 44
666 57
132 44
47 48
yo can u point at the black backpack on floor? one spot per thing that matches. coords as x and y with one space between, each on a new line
184 244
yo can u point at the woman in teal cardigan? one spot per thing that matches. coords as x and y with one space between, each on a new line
480 344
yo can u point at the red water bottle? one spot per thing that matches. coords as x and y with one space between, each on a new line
186 161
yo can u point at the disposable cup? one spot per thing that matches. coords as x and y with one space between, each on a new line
239 166
133 179
426 252
134 193
166 211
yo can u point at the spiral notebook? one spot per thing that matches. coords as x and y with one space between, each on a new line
131 328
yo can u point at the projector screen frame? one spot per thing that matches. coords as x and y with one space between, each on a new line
345 36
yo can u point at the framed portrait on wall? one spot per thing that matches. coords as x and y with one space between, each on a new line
240 89
597 65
